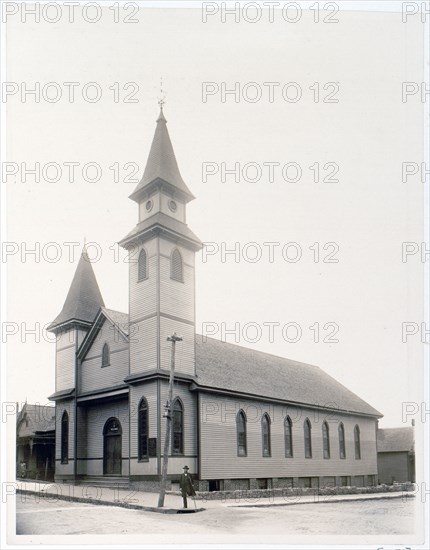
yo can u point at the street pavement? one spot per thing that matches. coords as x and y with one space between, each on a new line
128 498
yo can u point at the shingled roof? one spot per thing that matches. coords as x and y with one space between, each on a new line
229 367
225 366
84 298
35 418
162 164
391 440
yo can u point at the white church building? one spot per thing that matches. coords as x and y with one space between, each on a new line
241 418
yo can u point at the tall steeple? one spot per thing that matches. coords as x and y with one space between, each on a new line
161 268
162 168
84 298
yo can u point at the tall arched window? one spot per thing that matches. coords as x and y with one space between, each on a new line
142 265
143 429
307 429
288 431
326 440
65 438
241 433
105 356
176 266
342 453
265 434
357 442
178 428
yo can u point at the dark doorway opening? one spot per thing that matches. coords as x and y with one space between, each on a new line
112 442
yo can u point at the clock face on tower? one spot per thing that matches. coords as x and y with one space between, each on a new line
173 206
149 205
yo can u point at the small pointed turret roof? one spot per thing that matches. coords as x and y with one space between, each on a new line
162 166
84 298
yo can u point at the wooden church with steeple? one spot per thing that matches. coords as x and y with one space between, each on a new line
240 418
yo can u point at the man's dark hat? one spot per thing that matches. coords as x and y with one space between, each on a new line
185 468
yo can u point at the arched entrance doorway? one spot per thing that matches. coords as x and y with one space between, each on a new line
112 439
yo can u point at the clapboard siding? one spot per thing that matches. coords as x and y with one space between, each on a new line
143 345
189 401
176 298
393 467
65 367
219 458
143 294
185 350
69 407
92 375
97 416
166 248
149 391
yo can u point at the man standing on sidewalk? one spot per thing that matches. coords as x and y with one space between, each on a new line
186 485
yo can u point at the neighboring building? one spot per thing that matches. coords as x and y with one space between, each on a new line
241 418
396 455
35 442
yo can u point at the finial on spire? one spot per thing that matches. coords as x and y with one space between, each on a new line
161 98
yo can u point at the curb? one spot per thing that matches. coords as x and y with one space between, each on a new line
118 504
328 501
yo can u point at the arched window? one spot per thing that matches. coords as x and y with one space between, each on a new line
241 433
176 266
357 442
307 429
265 434
142 265
342 453
326 440
288 431
65 438
105 356
178 428
143 429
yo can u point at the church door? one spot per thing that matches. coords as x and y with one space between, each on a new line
112 456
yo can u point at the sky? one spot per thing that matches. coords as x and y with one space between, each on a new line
332 285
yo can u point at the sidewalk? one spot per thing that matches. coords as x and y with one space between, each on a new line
141 500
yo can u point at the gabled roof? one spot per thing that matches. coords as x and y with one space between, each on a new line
162 164
117 318
389 440
40 418
84 298
226 366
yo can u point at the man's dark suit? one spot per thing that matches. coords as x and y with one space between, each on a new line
187 489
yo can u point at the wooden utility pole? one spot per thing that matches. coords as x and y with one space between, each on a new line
168 414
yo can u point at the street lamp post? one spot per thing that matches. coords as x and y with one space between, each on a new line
168 414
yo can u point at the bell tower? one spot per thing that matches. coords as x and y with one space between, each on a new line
162 258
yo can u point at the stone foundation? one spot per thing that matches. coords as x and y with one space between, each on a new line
291 494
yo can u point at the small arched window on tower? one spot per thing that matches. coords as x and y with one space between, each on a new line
105 356
142 265
176 266
65 438
357 442
307 429
326 440
178 428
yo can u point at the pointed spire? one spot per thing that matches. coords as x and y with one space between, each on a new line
84 298
162 167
